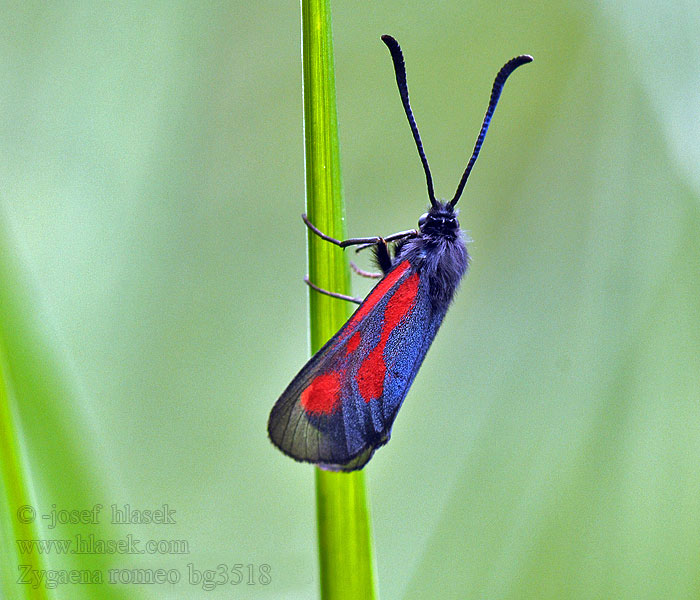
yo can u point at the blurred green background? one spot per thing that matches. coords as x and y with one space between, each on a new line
152 307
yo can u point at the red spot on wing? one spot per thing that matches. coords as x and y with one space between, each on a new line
378 293
400 304
322 396
353 343
370 375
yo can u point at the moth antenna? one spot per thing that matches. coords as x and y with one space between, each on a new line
400 70
498 84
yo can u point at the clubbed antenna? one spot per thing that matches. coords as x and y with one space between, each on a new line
498 84
400 69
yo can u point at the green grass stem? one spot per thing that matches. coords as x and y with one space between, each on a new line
15 477
344 539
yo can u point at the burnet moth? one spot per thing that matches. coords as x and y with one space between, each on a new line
341 406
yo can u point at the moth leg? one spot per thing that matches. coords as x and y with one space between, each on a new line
361 242
344 243
394 237
362 273
313 286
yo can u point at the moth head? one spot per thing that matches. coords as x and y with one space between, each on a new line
441 218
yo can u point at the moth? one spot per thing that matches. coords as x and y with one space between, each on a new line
341 406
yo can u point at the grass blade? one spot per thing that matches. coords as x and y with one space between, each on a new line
345 548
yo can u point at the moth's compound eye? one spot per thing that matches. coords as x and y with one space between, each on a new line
422 220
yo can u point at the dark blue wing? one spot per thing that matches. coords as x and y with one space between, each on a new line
342 404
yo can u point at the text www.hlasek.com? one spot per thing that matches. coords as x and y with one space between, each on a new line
89 544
